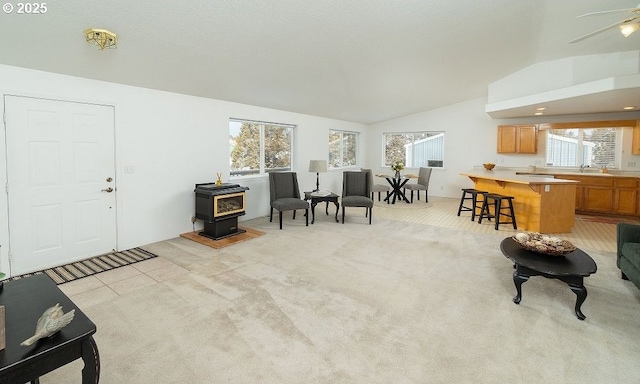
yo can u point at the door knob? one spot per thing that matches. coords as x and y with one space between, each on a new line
109 190
109 179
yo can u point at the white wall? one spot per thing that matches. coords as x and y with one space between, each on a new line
172 141
562 73
471 139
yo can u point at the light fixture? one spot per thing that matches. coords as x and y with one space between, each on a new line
629 108
628 28
538 113
541 108
317 166
101 38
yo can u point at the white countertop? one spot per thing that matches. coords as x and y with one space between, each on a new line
511 176
587 174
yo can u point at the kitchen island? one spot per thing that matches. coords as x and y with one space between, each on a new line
541 204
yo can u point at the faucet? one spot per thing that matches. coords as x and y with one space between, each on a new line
583 166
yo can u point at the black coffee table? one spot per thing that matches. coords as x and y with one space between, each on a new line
571 268
24 302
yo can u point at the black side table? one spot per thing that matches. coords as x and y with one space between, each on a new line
570 268
330 198
24 302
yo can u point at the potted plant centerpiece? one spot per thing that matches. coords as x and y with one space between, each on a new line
397 166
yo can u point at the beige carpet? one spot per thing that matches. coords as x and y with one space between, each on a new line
394 302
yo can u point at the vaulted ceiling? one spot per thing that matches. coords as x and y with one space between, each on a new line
356 60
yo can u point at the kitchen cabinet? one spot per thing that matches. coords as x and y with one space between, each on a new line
598 199
593 194
579 197
614 195
626 202
625 197
635 144
517 139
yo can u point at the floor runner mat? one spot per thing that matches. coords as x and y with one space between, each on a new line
83 268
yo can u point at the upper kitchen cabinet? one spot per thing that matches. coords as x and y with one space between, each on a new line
517 139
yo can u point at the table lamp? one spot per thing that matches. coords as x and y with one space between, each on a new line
317 166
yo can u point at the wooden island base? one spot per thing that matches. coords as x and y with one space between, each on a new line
541 204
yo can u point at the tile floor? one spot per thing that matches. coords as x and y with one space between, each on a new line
104 286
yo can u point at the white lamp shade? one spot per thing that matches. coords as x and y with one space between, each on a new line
318 166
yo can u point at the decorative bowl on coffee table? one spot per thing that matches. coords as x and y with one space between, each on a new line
543 244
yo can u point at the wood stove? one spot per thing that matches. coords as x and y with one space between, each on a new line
219 206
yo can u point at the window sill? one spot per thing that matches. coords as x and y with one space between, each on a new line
251 177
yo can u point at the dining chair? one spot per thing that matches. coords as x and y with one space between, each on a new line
377 187
285 195
356 189
424 174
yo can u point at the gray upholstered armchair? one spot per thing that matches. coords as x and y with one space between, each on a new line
285 195
628 244
424 174
356 189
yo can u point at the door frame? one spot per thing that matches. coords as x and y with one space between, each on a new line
5 245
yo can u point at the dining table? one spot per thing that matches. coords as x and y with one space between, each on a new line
397 182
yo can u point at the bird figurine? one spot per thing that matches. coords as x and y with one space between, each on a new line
51 321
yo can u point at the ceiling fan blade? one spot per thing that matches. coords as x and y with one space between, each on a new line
632 10
602 29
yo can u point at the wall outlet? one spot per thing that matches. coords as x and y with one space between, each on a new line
631 164
192 218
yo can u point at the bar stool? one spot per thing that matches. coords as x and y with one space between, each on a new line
475 203
496 200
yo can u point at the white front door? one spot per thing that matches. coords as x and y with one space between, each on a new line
61 182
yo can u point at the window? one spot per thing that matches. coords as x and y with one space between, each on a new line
595 147
417 149
343 149
258 148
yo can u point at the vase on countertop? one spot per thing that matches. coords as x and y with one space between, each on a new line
397 174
